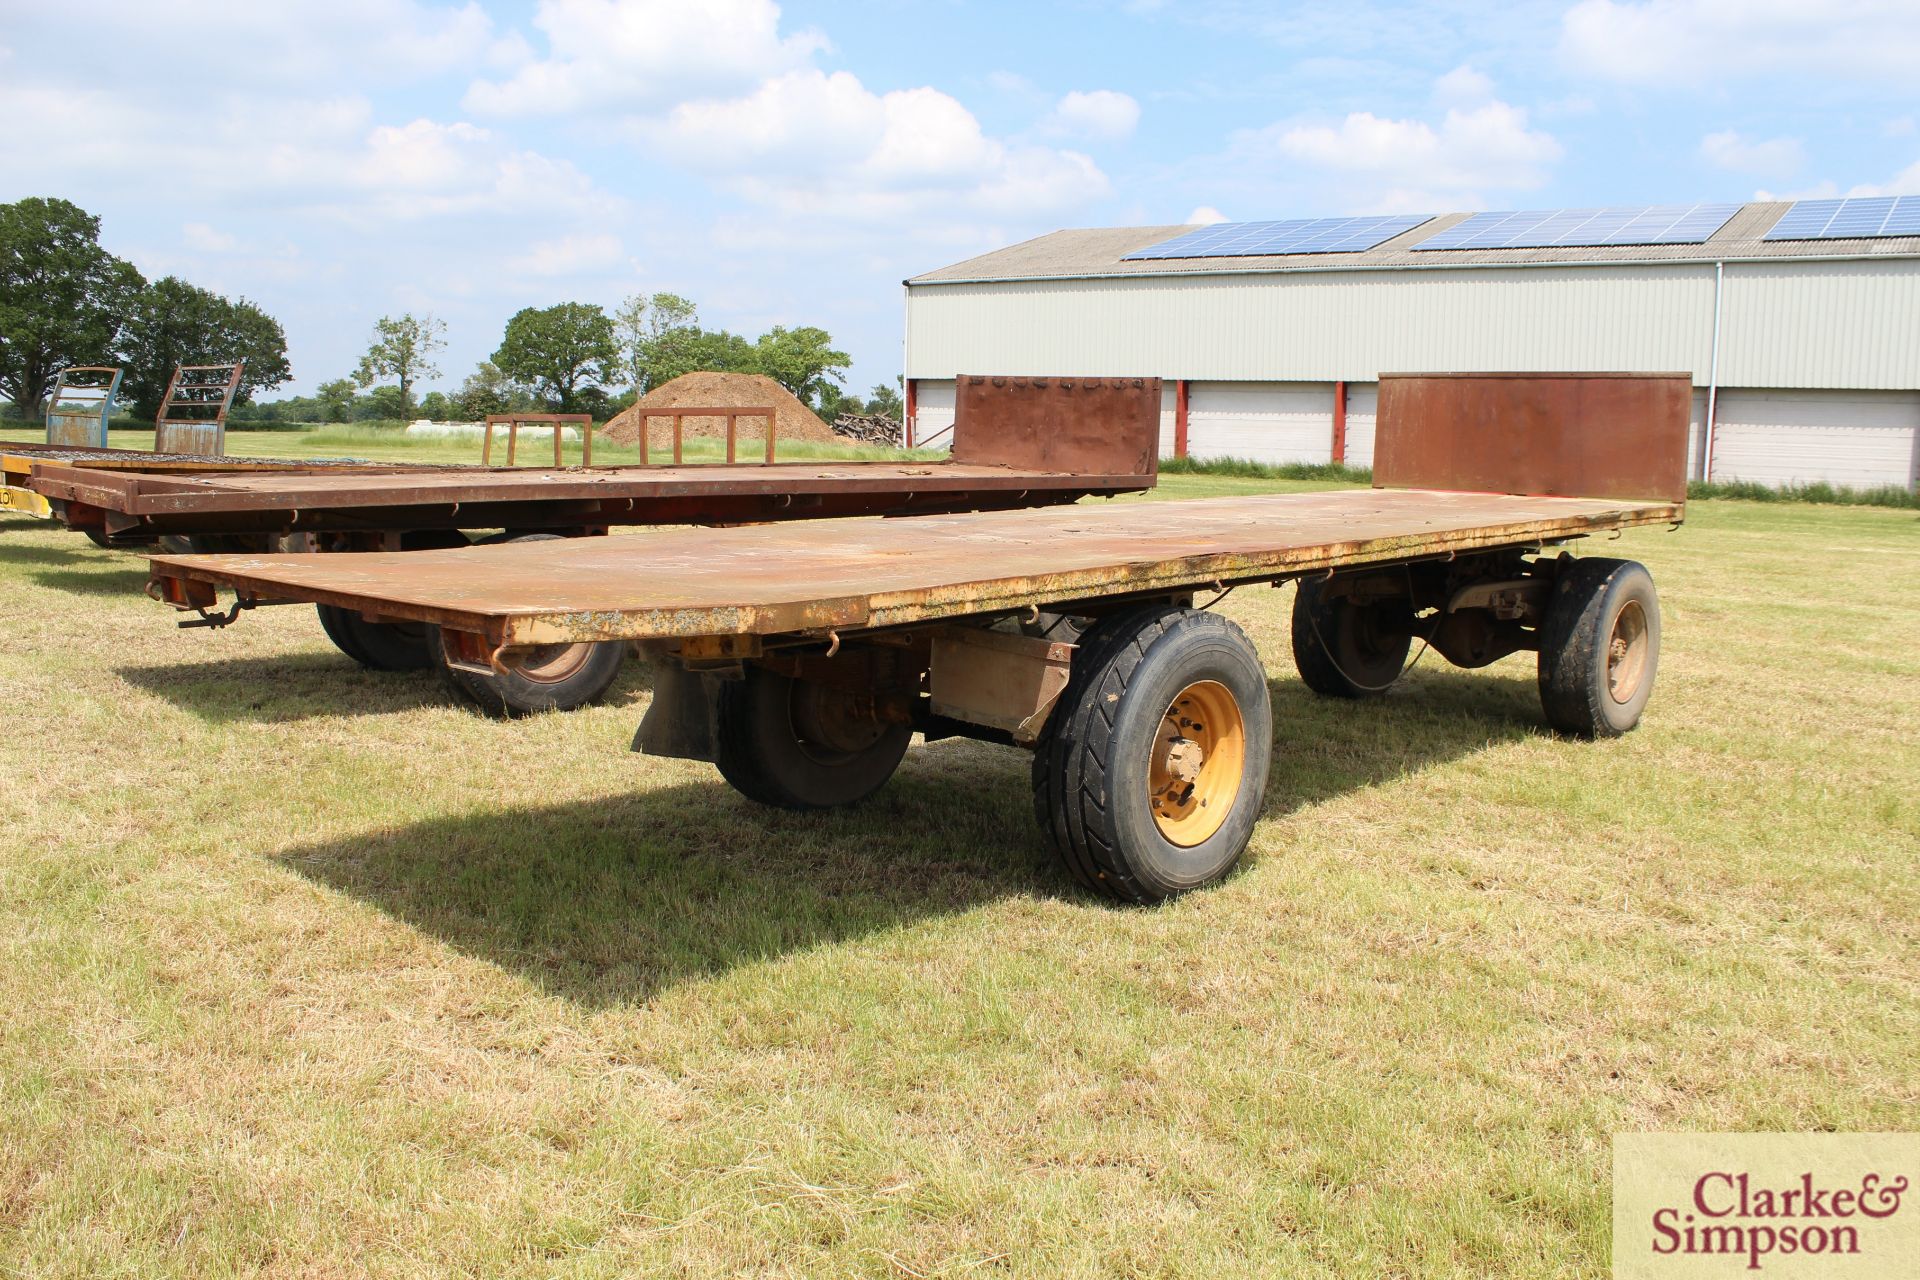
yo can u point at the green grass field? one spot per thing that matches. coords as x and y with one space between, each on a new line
306 971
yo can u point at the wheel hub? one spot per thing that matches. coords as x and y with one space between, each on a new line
1198 757
1627 650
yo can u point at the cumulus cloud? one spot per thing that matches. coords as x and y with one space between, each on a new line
1688 41
1102 114
1474 147
815 142
568 256
1206 215
615 55
1770 157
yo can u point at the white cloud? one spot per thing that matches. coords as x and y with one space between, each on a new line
1462 87
1690 41
617 55
1392 164
1206 215
813 142
1769 158
1904 183
569 255
203 238
1101 114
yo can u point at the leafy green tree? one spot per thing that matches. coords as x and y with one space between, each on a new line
488 390
686 350
381 404
801 360
641 325
174 323
336 400
63 298
402 349
885 400
561 350
436 406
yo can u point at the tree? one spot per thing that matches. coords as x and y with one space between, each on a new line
381 404
436 406
885 400
487 390
336 399
174 323
801 360
685 350
63 298
641 324
560 350
402 349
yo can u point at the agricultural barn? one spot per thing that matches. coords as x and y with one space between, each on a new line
1799 321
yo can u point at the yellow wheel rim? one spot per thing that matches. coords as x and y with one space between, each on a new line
1198 758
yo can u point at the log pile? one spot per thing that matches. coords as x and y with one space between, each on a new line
868 428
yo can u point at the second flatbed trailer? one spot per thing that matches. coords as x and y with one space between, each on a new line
801 658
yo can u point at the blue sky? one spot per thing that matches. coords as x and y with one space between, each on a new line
792 163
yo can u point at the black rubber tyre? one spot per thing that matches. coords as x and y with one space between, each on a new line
551 678
1599 647
779 743
1345 650
1094 769
381 646
214 544
333 621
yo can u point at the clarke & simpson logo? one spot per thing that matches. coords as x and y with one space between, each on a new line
1784 1205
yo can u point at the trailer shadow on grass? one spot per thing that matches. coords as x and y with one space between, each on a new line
313 684
614 900
104 581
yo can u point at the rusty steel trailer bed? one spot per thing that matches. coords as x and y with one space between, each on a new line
801 658
1017 442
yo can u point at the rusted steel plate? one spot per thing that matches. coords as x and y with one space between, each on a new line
1590 434
298 490
848 574
1079 426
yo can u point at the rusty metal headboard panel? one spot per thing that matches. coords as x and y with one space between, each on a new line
1574 435
1075 426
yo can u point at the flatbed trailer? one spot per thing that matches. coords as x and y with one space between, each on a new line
1017 442
800 659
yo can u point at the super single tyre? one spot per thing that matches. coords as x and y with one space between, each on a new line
1345 650
1599 647
1151 772
380 646
550 677
799 744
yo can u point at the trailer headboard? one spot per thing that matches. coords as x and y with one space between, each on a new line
1079 426
1575 435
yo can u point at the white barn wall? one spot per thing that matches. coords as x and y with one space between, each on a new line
1861 439
933 414
1363 410
1314 326
1265 421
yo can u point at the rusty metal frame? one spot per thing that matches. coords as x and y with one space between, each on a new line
732 415
514 420
176 429
86 426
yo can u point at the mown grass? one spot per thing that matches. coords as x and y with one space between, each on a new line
306 971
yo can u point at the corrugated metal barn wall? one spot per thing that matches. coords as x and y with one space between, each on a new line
1800 324
1819 361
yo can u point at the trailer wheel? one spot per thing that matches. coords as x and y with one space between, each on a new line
1151 771
379 646
388 646
549 677
1344 650
1599 647
799 744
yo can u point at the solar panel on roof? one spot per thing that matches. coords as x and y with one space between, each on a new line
1292 235
1554 228
1862 218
